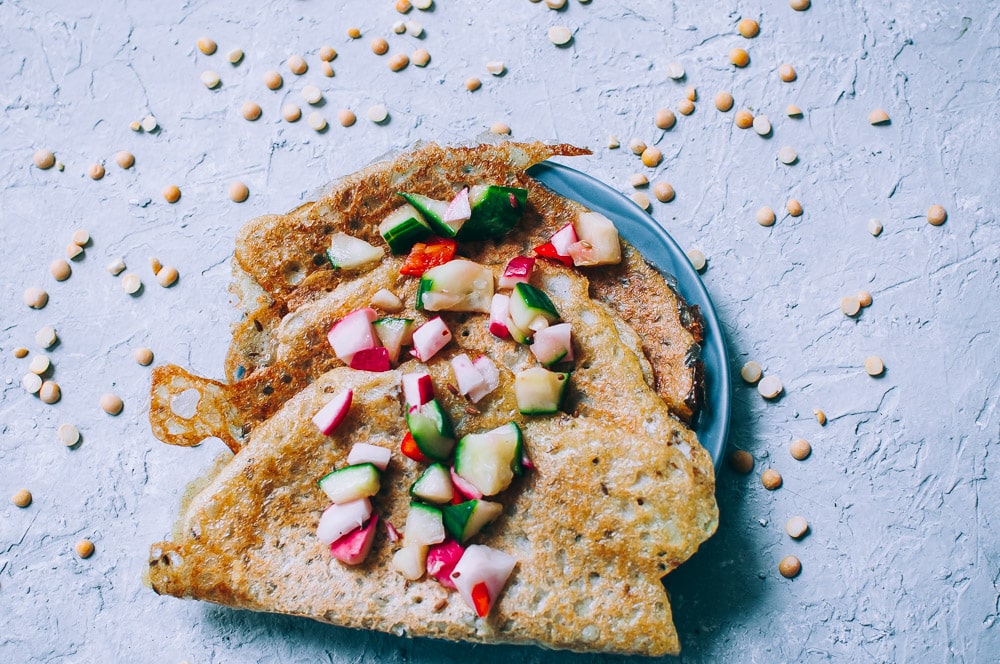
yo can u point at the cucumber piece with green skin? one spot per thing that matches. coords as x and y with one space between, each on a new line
540 391
495 210
531 309
434 485
431 430
490 460
347 252
458 285
394 333
424 525
351 483
433 212
404 227
466 519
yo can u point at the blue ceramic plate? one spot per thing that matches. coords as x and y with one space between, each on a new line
641 230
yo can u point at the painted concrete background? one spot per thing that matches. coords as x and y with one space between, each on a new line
902 562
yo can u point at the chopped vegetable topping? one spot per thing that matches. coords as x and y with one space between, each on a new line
425 255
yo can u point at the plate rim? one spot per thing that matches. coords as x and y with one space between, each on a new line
712 425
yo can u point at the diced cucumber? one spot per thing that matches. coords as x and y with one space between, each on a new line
347 252
466 519
490 460
433 212
599 243
531 309
540 391
431 430
424 525
351 483
402 228
521 336
495 210
434 485
458 285
394 333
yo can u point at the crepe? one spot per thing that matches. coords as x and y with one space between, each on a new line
621 492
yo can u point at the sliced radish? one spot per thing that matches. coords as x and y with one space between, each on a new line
491 378
466 374
499 308
553 344
598 241
563 238
392 533
480 576
458 212
429 338
417 388
333 413
441 561
353 548
368 453
338 520
371 359
354 332
466 489
518 270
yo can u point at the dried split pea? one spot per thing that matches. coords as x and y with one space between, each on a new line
820 416
663 191
272 80
739 57
641 199
317 121
875 227
35 297
762 125
20 352
403 6
423 5
143 356
46 337
207 46
291 112
39 365
796 527
250 110
496 67
44 159
22 498
116 267
327 54
472 84
743 119
691 93
864 298
751 372
68 435
794 207
235 56
793 111
131 284
73 251
790 567
378 113
638 180
770 387
771 479
799 5
936 215
420 57
637 146
723 101
167 276
96 171
697 258
555 4
651 157
149 124
346 117
878 117
398 62
379 46
664 119
60 269
500 128
354 33
741 461
84 548
49 392
613 142
850 305
111 403
155 265
685 106
787 73
560 35
675 70
800 449
81 238
125 159
326 69
748 27
31 383
765 216
172 193
874 366
210 79
297 65
312 94
787 155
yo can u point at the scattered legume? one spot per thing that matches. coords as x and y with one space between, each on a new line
135 125
771 479
613 142
794 207
560 35
496 67
800 449
651 157
35 297
741 461
500 128
49 392
167 277
697 258
864 298
663 192
751 372
403 6
85 548
414 28
748 27
68 435
155 265
790 567
44 159
799 5
685 107
327 54
46 337
206 45
354 33
346 117
39 364
398 62
210 79
765 216
850 305
386 300
664 119
420 57
125 159
787 155
743 119
22 498
326 69
472 84
638 180
820 416
95 171
317 121
172 193
143 356
641 199
555 4
291 112
875 227
111 403
793 111
31 383
399 27
238 192
874 366
797 527
59 269
312 94
20 352
723 101
297 65
235 56
675 70
250 110
272 79
739 57
131 283
81 237
637 146
787 73
770 387
379 46
691 93
423 5
878 116
936 215
762 125
116 267
73 251
149 124
378 113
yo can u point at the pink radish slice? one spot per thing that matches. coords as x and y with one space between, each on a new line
429 338
553 344
482 564
371 359
353 333
499 307
333 413
353 548
368 453
491 378
458 210
393 534
563 238
338 520
441 561
466 374
518 270
417 388
465 488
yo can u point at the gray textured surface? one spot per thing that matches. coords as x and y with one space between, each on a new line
903 560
